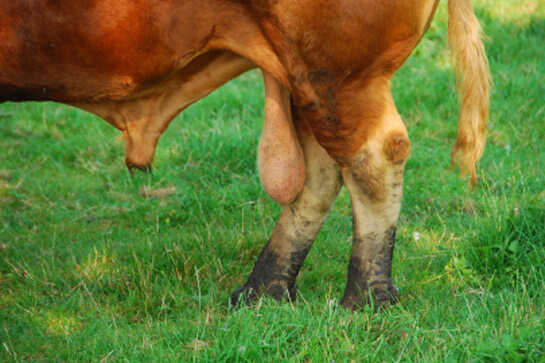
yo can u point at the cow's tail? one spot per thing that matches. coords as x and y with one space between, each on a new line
473 83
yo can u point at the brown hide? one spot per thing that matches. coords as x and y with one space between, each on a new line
138 63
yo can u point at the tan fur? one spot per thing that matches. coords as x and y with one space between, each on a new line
301 219
369 176
464 33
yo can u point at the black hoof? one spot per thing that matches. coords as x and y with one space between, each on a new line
145 168
243 296
378 298
247 295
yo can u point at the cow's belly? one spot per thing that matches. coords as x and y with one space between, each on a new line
72 52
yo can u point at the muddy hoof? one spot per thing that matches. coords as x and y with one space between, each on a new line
145 168
243 296
377 299
247 295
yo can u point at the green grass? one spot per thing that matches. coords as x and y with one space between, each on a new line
90 270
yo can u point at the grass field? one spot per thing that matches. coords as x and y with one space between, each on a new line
92 270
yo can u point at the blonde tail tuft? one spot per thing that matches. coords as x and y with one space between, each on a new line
473 84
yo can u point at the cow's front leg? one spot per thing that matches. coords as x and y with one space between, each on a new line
375 180
278 264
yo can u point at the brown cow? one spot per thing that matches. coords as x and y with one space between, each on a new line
329 114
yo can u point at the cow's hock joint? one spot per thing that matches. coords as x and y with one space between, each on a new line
396 147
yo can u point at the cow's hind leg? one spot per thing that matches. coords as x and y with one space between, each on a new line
374 181
278 264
